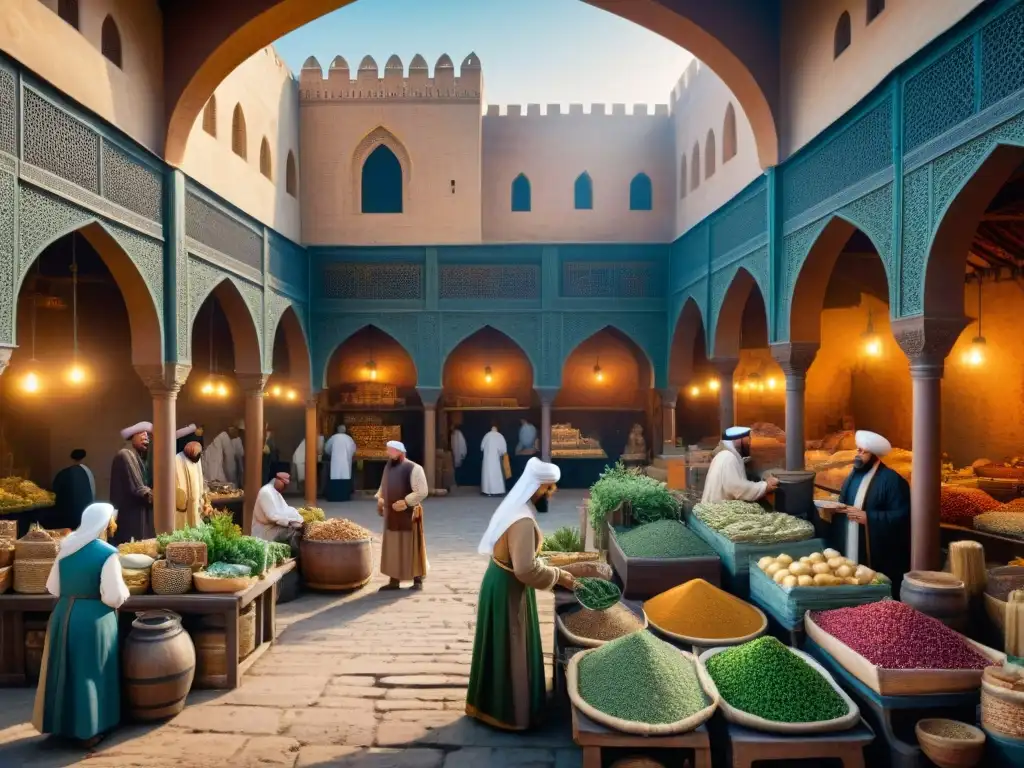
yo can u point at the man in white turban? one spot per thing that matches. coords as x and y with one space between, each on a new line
507 680
727 478
131 491
873 525
403 550
273 519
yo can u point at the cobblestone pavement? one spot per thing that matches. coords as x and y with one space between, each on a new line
365 680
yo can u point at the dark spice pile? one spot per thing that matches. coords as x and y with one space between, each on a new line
765 679
602 625
893 635
665 538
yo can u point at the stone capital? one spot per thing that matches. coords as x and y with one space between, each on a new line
430 396
927 341
6 350
164 380
252 383
795 357
725 366
547 395
669 397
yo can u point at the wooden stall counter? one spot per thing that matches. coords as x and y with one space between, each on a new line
749 746
14 607
593 737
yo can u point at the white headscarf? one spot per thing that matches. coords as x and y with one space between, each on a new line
95 520
515 506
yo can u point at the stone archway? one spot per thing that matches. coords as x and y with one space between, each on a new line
689 328
299 360
245 336
726 333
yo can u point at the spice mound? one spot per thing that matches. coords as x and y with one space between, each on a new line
641 679
610 624
764 678
665 538
959 506
747 523
892 635
701 610
1009 524
336 529
596 594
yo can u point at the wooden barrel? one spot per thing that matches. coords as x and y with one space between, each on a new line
334 566
937 594
158 666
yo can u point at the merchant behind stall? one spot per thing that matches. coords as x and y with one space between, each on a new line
130 489
273 519
506 680
876 502
341 448
727 478
403 550
75 489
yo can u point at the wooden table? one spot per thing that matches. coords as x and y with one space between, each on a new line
13 608
593 737
749 746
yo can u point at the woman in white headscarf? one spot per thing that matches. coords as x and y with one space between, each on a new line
507 684
79 693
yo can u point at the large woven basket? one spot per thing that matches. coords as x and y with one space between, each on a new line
1002 706
136 580
36 545
247 631
30 575
170 578
6 552
6 577
190 553
9 529
213 585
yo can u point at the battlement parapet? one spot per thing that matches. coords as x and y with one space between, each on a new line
339 85
576 110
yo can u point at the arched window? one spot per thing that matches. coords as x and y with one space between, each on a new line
875 7
382 182
110 41
842 36
520 194
68 10
729 134
641 194
238 137
710 154
266 165
290 182
695 167
584 192
210 117
682 177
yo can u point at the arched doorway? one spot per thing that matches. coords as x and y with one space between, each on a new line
288 391
487 382
606 390
371 389
694 380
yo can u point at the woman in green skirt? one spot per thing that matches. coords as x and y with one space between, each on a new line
506 682
79 694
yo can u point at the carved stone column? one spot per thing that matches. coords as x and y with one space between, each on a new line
164 383
312 453
926 341
253 386
547 397
430 396
726 367
795 358
669 397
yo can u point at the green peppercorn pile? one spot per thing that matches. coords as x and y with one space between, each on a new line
665 538
641 679
596 594
765 679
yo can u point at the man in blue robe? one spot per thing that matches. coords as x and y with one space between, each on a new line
75 489
873 525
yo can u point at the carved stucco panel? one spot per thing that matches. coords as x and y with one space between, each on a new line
276 306
203 278
8 262
917 226
755 263
550 373
873 215
428 349
795 246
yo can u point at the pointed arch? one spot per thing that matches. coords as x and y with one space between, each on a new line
874 7
245 337
210 116
843 35
266 162
369 339
641 193
645 365
68 11
381 182
729 134
710 154
695 167
291 183
380 136
689 329
489 346
683 180
583 192
110 42
285 322
728 324
521 198
239 137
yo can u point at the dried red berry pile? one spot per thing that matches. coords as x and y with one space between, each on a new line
959 506
893 635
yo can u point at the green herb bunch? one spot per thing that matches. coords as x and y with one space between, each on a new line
565 539
224 543
650 499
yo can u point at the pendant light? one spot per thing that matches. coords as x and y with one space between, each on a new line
487 374
976 354
871 344
76 373
371 365
598 373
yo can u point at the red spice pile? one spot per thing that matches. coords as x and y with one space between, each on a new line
893 635
959 506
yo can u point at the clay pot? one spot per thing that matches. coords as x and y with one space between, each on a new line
334 566
937 594
158 666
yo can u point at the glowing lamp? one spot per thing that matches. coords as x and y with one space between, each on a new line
275 390
207 388
713 385
487 374
371 370
598 373
976 354
30 383
872 345
771 383
291 394
222 391
76 374
694 391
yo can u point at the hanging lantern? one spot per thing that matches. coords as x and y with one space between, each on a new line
975 355
487 374
870 343
598 373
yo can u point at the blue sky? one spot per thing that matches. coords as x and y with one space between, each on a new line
532 51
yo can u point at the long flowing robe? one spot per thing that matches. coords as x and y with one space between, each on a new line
188 492
403 552
341 448
299 458
272 518
492 478
527 439
459 448
130 494
219 464
887 506
75 489
238 446
507 680
79 692
727 480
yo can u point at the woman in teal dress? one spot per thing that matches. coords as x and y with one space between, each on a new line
507 683
79 694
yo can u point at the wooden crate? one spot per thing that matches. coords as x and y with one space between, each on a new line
644 577
789 606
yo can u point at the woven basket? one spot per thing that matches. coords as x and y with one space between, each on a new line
170 578
137 581
30 575
190 553
213 585
1002 707
36 545
144 547
247 631
6 552
9 529
6 577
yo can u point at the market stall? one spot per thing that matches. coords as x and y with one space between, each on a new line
24 502
581 459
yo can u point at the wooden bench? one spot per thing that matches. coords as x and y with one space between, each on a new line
593 737
749 746
13 608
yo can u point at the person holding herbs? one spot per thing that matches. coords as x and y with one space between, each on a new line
506 684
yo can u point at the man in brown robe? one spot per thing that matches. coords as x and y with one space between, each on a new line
130 491
403 554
